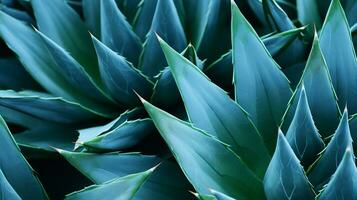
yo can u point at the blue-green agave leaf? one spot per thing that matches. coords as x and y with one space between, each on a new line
353 129
166 23
104 167
343 183
268 93
144 17
92 132
123 188
221 70
308 13
119 76
319 92
129 8
44 106
7 192
211 109
276 16
166 92
212 165
302 134
124 136
91 14
33 54
18 14
341 59
73 71
285 178
58 21
321 171
117 34
16 169
221 196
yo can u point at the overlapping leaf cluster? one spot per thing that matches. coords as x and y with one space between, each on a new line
158 99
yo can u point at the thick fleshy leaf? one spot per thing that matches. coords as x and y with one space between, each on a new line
16 169
18 14
341 59
353 129
212 165
217 26
321 171
166 92
73 72
7 192
58 21
117 34
343 183
166 23
126 135
91 12
33 54
285 178
103 167
319 92
123 188
14 76
211 109
120 77
302 134
276 16
260 87
221 70
90 133
308 13
143 20
129 8
221 196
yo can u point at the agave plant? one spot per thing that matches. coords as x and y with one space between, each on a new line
178 99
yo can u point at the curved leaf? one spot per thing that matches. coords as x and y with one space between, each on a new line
120 77
276 16
116 32
91 13
7 192
302 134
341 59
260 87
104 167
33 54
320 173
166 23
308 13
211 165
58 21
123 188
221 196
23 180
209 108
144 17
343 183
319 91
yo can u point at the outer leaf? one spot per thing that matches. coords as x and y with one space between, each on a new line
276 16
211 109
319 92
103 167
120 77
123 188
126 135
320 173
144 17
221 196
260 87
302 134
210 166
90 133
116 32
341 60
33 54
221 70
343 183
170 28
285 177
18 14
73 72
23 180
57 20
7 192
